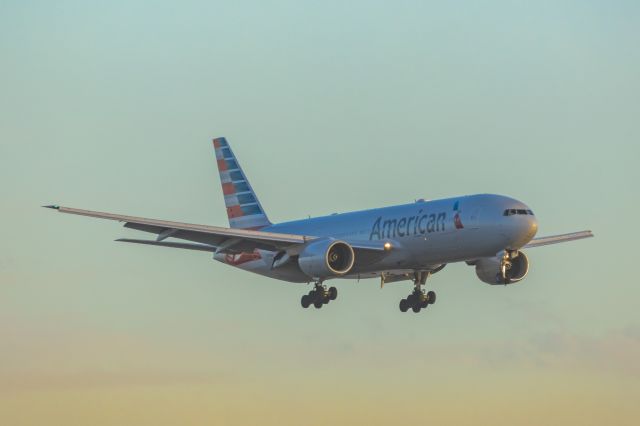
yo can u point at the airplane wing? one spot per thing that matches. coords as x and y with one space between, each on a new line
555 239
219 239
228 240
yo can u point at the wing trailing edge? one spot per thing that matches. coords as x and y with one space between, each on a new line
170 244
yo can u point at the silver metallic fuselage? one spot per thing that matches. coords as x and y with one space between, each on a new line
422 235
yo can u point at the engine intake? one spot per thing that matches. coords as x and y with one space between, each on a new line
325 258
489 269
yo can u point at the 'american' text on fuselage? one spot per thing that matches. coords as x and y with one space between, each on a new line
406 226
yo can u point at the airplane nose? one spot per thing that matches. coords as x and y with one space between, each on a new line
525 231
531 228
520 231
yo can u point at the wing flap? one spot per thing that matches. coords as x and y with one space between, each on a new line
187 246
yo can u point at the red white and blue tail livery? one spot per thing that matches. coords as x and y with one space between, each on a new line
243 208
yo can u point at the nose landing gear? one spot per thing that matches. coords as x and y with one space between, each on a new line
319 296
506 263
419 298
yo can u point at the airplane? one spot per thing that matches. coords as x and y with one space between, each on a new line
408 242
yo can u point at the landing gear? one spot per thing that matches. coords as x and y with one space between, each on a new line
319 296
418 299
506 264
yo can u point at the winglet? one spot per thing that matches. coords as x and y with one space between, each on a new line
52 206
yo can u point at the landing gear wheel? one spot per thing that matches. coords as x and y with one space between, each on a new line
424 303
431 297
318 304
305 301
410 300
333 293
404 305
416 308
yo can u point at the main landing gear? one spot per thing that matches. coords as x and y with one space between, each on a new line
319 296
418 299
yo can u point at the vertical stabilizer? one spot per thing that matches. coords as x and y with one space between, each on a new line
243 208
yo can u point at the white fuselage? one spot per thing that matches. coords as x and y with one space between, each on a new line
423 235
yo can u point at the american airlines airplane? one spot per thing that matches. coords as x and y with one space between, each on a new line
404 242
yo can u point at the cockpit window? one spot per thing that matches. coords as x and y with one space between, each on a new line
511 212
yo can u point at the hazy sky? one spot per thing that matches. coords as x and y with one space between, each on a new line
329 106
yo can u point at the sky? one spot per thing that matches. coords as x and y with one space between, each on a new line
329 107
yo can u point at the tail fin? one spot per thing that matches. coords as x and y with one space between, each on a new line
243 208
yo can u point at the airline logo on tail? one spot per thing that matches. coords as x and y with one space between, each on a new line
243 208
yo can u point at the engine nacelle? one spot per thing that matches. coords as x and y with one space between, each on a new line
489 269
325 258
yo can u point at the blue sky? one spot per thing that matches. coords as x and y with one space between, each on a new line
329 107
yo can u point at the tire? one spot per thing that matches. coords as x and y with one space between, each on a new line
431 297
416 309
424 303
318 304
410 300
404 305
305 302
333 293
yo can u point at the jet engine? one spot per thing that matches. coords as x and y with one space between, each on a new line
325 258
506 268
